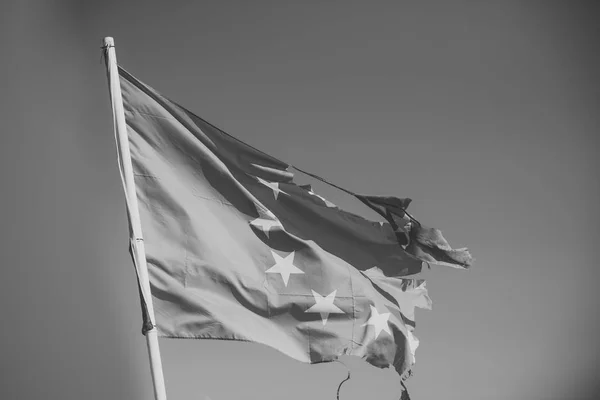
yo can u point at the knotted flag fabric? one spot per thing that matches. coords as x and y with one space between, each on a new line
237 250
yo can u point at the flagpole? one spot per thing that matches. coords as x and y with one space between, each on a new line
124 154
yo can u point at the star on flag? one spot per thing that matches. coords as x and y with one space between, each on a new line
274 186
413 343
379 321
266 225
284 266
324 306
327 202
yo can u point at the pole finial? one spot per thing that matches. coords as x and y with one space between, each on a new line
109 41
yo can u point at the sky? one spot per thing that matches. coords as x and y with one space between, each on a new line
486 115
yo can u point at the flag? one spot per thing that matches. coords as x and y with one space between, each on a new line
237 250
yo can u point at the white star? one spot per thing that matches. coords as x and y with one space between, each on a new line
284 266
379 321
413 343
266 225
273 185
327 202
324 305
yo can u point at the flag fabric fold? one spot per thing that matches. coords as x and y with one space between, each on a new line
236 250
429 245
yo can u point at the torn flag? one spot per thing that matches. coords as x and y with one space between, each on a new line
237 250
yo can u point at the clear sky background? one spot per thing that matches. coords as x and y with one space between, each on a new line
487 115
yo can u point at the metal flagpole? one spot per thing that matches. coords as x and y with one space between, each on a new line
134 216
